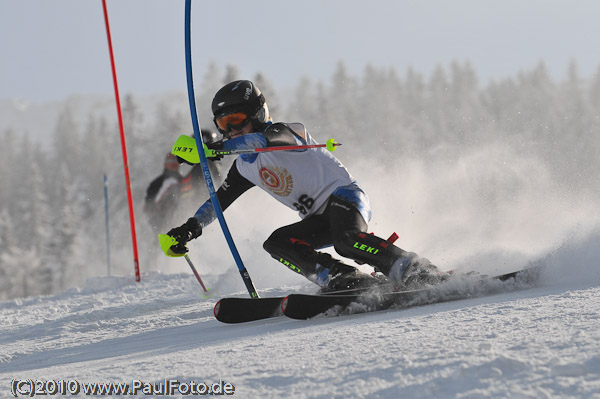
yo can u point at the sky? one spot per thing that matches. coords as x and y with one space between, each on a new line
50 50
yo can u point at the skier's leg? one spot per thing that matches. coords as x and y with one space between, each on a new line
295 247
348 228
351 240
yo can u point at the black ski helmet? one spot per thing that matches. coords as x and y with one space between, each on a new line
241 96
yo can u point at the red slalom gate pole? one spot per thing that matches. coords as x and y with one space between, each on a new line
136 262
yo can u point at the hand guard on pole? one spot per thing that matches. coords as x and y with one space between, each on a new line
178 237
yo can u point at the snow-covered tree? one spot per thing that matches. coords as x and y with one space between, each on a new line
67 141
211 83
11 274
302 106
232 73
52 200
8 167
270 94
61 258
38 229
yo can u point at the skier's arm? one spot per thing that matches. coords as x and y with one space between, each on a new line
284 134
233 186
154 188
275 135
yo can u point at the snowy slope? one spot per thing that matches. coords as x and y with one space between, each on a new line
537 343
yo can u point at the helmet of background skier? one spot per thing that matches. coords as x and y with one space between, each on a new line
208 136
241 96
171 163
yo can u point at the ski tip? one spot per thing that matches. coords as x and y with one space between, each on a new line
216 309
284 303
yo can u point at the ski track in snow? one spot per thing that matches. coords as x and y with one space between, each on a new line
536 343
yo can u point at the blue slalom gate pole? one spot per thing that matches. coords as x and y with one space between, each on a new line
106 223
203 160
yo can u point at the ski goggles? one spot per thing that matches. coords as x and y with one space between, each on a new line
232 121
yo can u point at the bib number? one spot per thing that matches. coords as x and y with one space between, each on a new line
304 204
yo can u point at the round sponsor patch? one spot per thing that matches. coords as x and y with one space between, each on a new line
277 180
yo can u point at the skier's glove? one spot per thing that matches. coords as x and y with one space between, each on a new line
217 145
184 233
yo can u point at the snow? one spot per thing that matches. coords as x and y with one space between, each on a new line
540 342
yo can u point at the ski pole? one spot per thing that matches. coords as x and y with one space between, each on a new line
185 147
331 146
166 242
189 261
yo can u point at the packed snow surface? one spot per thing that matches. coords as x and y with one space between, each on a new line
540 342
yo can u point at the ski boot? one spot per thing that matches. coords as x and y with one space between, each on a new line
341 277
412 272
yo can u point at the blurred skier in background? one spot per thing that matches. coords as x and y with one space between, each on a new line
172 193
333 208
192 184
162 195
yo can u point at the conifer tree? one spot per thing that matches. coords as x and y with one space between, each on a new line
10 271
38 230
8 168
302 105
232 73
211 83
62 258
270 93
66 140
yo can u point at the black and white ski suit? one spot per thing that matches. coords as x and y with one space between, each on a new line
333 207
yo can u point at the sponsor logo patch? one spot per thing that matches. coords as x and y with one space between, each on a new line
277 180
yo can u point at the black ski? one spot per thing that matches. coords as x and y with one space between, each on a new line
240 310
301 306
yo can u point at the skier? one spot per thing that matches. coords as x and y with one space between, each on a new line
162 194
333 207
